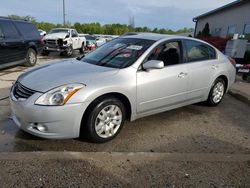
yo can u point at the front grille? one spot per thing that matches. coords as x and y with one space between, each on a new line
51 43
21 92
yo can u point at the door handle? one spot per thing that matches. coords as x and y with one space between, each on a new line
182 75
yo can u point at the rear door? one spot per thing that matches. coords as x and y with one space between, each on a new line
201 65
12 43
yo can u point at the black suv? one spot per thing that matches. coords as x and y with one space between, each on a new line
20 42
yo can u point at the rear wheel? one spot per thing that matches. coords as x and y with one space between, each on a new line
31 58
105 120
217 92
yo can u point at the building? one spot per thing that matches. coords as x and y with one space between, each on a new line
233 18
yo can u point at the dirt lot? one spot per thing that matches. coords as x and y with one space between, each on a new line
194 146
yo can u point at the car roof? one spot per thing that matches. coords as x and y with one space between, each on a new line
152 36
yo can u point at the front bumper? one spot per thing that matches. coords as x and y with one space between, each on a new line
59 122
56 49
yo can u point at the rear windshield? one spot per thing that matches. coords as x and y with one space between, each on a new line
28 30
119 53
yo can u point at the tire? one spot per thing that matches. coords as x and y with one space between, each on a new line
69 51
99 125
217 92
31 58
82 49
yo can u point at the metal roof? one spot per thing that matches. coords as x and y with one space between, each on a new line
230 5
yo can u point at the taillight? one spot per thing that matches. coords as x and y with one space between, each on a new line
232 61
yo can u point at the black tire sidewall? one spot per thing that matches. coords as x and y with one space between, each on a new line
67 51
91 132
210 100
82 48
28 63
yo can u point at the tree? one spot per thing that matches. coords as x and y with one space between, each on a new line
206 31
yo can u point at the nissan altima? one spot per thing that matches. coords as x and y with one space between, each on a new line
125 79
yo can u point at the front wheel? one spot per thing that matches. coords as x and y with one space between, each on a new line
69 51
105 120
82 49
217 92
31 58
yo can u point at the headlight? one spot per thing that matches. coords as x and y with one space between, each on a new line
58 96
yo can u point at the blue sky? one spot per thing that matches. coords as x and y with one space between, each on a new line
172 14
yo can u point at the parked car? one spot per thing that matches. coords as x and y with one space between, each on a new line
20 42
63 40
128 78
42 32
90 42
100 41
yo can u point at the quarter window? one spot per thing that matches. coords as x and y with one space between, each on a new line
197 51
28 30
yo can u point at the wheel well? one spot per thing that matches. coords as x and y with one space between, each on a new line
33 47
119 96
225 80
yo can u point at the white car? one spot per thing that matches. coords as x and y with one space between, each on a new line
100 41
63 40
127 78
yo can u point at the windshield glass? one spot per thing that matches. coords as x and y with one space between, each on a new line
119 53
59 31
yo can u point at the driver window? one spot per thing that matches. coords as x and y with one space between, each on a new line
169 53
74 34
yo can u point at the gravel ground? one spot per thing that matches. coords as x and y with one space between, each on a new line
125 170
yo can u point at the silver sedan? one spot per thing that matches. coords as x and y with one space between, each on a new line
128 78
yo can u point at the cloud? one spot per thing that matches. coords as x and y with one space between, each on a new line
152 13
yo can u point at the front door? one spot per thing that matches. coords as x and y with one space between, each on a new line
165 87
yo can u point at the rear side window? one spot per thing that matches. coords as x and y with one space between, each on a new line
8 30
28 30
197 51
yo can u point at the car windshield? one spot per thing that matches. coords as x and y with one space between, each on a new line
59 31
119 53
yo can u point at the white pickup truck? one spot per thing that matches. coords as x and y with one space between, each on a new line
63 40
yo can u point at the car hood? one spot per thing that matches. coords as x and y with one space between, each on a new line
49 76
56 36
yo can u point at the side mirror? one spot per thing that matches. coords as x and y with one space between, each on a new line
153 64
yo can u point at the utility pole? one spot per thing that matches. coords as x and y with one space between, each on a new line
64 14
